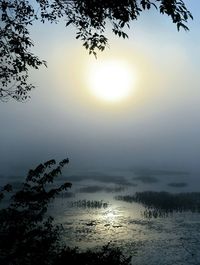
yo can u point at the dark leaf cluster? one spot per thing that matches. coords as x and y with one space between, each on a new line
107 255
27 234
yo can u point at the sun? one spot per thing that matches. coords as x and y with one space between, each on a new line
111 80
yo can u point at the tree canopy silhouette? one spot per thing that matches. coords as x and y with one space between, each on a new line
90 18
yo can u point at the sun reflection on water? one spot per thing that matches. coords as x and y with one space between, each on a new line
110 215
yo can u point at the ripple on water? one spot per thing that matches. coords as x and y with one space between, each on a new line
164 241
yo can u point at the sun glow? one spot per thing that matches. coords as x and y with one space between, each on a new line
111 80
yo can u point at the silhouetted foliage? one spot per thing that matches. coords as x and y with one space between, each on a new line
3 190
107 255
90 18
29 236
163 203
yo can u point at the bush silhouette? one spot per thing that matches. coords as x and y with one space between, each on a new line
29 236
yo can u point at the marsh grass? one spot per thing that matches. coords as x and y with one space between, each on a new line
96 204
160 204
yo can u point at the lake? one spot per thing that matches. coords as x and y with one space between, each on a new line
91 216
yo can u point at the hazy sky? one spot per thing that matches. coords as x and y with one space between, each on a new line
157 126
